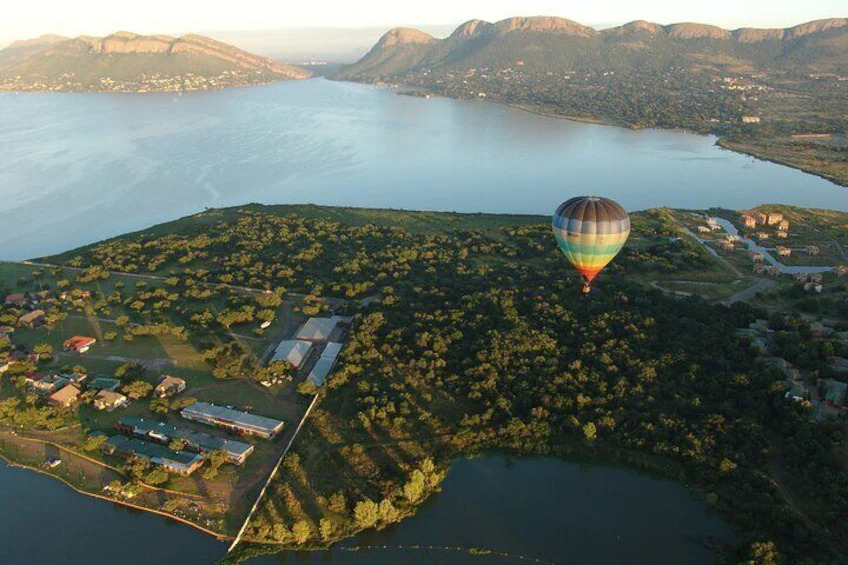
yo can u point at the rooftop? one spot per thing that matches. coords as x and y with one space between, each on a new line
292 350
232 416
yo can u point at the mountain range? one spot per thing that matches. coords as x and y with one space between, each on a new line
128 61
550 43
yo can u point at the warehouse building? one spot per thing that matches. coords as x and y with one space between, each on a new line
233 420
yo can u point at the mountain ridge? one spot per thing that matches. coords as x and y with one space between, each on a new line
529 34
122 59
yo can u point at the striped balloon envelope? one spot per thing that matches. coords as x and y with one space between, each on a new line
590 231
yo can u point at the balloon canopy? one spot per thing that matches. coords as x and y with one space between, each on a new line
590 231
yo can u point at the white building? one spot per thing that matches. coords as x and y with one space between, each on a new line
295 351
320 329
325 364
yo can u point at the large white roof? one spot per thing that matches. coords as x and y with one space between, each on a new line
292 350
324 364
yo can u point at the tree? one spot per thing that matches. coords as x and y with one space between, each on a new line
414 488
215 459
326 527
94 442
137 389
590 431
157 476
366 512
388 513
301 531
177 445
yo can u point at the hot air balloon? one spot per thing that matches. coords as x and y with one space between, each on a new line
590 231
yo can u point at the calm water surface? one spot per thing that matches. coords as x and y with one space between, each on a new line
76 168
545 509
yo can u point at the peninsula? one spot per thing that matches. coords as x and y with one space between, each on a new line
287 376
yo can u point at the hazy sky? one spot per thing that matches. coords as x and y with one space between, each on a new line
29 18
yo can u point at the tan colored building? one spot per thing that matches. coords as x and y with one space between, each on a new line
108 400
64 397
783 251
749 221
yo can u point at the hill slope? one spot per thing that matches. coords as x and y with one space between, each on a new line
558 44
126 61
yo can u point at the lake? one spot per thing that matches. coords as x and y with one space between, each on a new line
543 509
77 168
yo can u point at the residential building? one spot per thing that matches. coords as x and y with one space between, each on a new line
783 234
231 419
44 385
79 343
169 386
763 235
32 319
783 225
750 119
295 351
812 250
108 400
180 462
749 221
783 251
774 218
321 329
161 432
64 397
324 364
762 218
15 299
810 286
841 270
704 229
767 270
756 256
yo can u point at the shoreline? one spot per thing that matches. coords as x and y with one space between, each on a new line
721 142
17 464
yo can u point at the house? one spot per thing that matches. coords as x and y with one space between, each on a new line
727 245
783 251
295 351
711 222
324 364
762 218
767 270
201 442
749 221
64 397
704 229
32 319
773 218
79 343
15 299
812 250
169 386
42 296
783 225
233 420
750 119
783 234
762 235
809 277
841 270
101 382
817 287
44 385
180 462
756 256
108 400
795 391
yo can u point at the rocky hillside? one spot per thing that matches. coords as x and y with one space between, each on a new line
548 43
127 61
